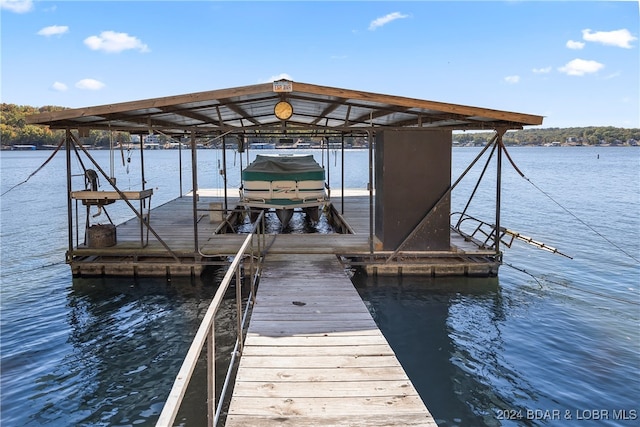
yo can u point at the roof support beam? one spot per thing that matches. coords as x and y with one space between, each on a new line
253 105
193 115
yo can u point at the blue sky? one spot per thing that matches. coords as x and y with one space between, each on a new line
576 63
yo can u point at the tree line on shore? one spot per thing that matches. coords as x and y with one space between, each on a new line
591 135
14 130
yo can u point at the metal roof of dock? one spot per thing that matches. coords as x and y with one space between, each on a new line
251 108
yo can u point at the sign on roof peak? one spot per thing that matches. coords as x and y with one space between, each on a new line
283 86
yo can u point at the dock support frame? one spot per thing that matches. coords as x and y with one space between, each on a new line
194 186
499 133
68 142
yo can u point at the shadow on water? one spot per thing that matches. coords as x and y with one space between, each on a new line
446 334
128 340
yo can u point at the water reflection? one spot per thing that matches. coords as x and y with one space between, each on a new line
446 334
127 340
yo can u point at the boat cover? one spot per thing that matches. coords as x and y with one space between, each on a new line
283 168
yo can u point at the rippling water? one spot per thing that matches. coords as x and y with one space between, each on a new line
513 350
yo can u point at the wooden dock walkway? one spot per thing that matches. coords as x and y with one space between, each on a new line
314 356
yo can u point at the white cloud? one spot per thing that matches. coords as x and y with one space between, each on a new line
618 38
580 67
512 79
112 42
17 6
90 84
384 20
545 70
572 44
59 87
53 30
282 76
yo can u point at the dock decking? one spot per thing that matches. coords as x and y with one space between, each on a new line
173 222
314 356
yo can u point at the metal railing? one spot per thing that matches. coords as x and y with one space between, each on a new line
206 331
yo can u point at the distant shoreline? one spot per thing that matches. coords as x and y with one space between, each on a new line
27 148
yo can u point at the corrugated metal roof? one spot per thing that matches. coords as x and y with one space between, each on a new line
251 109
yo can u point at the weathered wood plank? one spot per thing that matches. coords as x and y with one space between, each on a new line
356 340
327 350
336 406
318 332
314 362
286 313
325 389
316 297
314 355
312 376
377 420
312 327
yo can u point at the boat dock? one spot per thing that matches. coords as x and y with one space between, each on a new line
402 225
313 355
140 253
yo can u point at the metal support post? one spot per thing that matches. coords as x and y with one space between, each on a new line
370 142
239 308
194 186
498 188
69 204
211 375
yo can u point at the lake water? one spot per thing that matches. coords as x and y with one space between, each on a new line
557 345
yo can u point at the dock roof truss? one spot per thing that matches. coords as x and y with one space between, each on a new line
251 108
